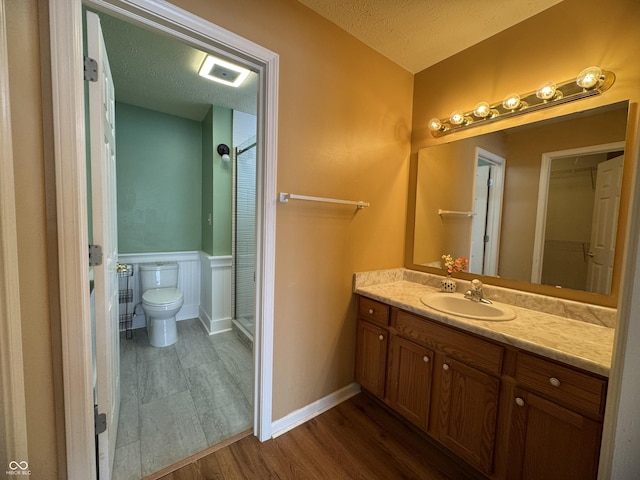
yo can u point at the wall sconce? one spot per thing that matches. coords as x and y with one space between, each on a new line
223 151
589 82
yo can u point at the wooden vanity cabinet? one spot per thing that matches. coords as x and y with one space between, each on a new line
510 414
556 421
371 346
467 413
409 380
446 382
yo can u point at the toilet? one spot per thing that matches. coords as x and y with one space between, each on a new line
161 300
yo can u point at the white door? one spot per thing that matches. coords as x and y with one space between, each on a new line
603 226
105 233
479 222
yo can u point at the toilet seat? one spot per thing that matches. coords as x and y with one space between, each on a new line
161 297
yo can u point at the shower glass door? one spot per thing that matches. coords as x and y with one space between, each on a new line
245 236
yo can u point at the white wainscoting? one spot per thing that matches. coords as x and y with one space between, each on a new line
215 292
188 281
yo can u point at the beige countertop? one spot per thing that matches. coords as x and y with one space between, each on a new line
573 342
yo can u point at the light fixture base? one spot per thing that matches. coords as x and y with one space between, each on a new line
565 92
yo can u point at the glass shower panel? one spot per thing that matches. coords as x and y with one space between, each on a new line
245 235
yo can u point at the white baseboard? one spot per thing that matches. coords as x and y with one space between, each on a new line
214 326
314 409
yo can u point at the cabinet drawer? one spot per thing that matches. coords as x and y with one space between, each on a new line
473 351
373 311
575 389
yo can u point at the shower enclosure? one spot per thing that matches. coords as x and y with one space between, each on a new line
244 237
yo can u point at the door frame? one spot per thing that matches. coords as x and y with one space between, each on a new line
13 409
543 197
65 20
494 212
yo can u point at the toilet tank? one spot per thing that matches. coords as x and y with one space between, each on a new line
158 275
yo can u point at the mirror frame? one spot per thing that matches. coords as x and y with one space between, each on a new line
628 176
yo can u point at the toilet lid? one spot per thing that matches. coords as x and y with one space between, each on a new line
161 296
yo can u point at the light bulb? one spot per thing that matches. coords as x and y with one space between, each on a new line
589 77
457 117
546 91
435 124
511 101
482 110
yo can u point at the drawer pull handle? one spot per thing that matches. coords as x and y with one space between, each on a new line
371 311
425 359
554 381
519 402
445 367
381 337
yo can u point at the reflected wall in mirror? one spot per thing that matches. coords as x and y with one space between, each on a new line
519 203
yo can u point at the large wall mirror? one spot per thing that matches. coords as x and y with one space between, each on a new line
539 207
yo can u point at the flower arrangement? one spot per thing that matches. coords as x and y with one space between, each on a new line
460 264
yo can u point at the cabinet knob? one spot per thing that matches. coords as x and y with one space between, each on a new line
445 367
381 337
425 359
371 311
519 402
554 381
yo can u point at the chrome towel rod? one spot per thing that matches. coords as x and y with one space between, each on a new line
285 197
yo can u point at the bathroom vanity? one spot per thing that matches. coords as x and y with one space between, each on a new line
522 398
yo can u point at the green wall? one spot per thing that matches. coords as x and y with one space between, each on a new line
159 168
222 182
208 153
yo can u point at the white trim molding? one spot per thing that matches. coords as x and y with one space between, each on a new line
13 420
215 292
70 167
314 409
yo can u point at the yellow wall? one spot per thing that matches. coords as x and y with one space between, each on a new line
344 132
345 118
553 45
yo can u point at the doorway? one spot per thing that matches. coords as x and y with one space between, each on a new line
578 199
68 115
488 191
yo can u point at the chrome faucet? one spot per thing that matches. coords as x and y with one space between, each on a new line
476 294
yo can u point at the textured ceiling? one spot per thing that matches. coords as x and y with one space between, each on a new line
416 34
159 73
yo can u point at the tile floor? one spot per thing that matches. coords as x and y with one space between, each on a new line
179 400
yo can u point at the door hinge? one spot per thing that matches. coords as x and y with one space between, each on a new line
490 182
100 421
486 239
95 255
90 69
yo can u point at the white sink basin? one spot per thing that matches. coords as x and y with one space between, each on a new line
456 304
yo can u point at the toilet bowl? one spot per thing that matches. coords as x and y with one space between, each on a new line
161 301
160 306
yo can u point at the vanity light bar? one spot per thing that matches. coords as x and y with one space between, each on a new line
590 82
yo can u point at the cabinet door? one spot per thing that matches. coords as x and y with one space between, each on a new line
371 357
551 442
409 380
467 413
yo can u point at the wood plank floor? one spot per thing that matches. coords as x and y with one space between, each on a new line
358 439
